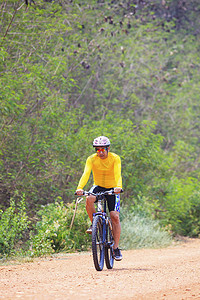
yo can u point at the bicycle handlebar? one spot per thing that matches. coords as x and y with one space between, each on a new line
110 192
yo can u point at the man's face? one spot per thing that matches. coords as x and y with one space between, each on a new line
102 152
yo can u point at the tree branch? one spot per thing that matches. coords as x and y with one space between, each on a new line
11 21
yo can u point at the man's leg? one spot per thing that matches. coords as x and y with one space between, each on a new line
114 215
116 234
90 208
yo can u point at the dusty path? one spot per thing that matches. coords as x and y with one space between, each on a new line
171 273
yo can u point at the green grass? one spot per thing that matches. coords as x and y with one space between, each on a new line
140 231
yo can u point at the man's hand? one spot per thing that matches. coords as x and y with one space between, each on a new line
117 190
79 192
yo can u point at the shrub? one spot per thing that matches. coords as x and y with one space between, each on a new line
13 224
52 232
180 210
190 222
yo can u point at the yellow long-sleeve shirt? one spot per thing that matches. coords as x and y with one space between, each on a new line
106 172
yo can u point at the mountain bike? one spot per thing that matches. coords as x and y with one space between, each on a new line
102 235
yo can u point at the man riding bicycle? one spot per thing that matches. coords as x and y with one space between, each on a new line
106 169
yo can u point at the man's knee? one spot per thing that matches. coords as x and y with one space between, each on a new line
90 200
115 217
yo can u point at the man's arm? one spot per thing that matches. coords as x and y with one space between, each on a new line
118 177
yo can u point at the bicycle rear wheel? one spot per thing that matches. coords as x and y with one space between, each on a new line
97 243
109 258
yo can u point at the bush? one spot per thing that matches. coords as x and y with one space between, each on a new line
180 210
140 231
13 224
52 232
190 222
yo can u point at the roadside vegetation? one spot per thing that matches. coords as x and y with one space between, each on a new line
73 70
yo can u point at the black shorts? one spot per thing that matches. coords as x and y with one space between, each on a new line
113 201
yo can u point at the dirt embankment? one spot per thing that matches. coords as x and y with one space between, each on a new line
171 273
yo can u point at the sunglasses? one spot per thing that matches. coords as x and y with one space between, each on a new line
101 150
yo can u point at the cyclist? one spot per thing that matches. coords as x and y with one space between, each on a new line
106 169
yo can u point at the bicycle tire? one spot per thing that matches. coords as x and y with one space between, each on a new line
109 258
98 248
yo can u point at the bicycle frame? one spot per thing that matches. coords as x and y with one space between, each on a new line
102 211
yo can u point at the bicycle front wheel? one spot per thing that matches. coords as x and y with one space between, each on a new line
109 258
97 243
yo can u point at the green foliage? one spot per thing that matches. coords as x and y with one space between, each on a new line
127 70
52 232
13 225
180 208
190 221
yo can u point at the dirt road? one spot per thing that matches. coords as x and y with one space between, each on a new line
171 273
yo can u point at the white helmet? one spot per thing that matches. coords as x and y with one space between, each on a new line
101 141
